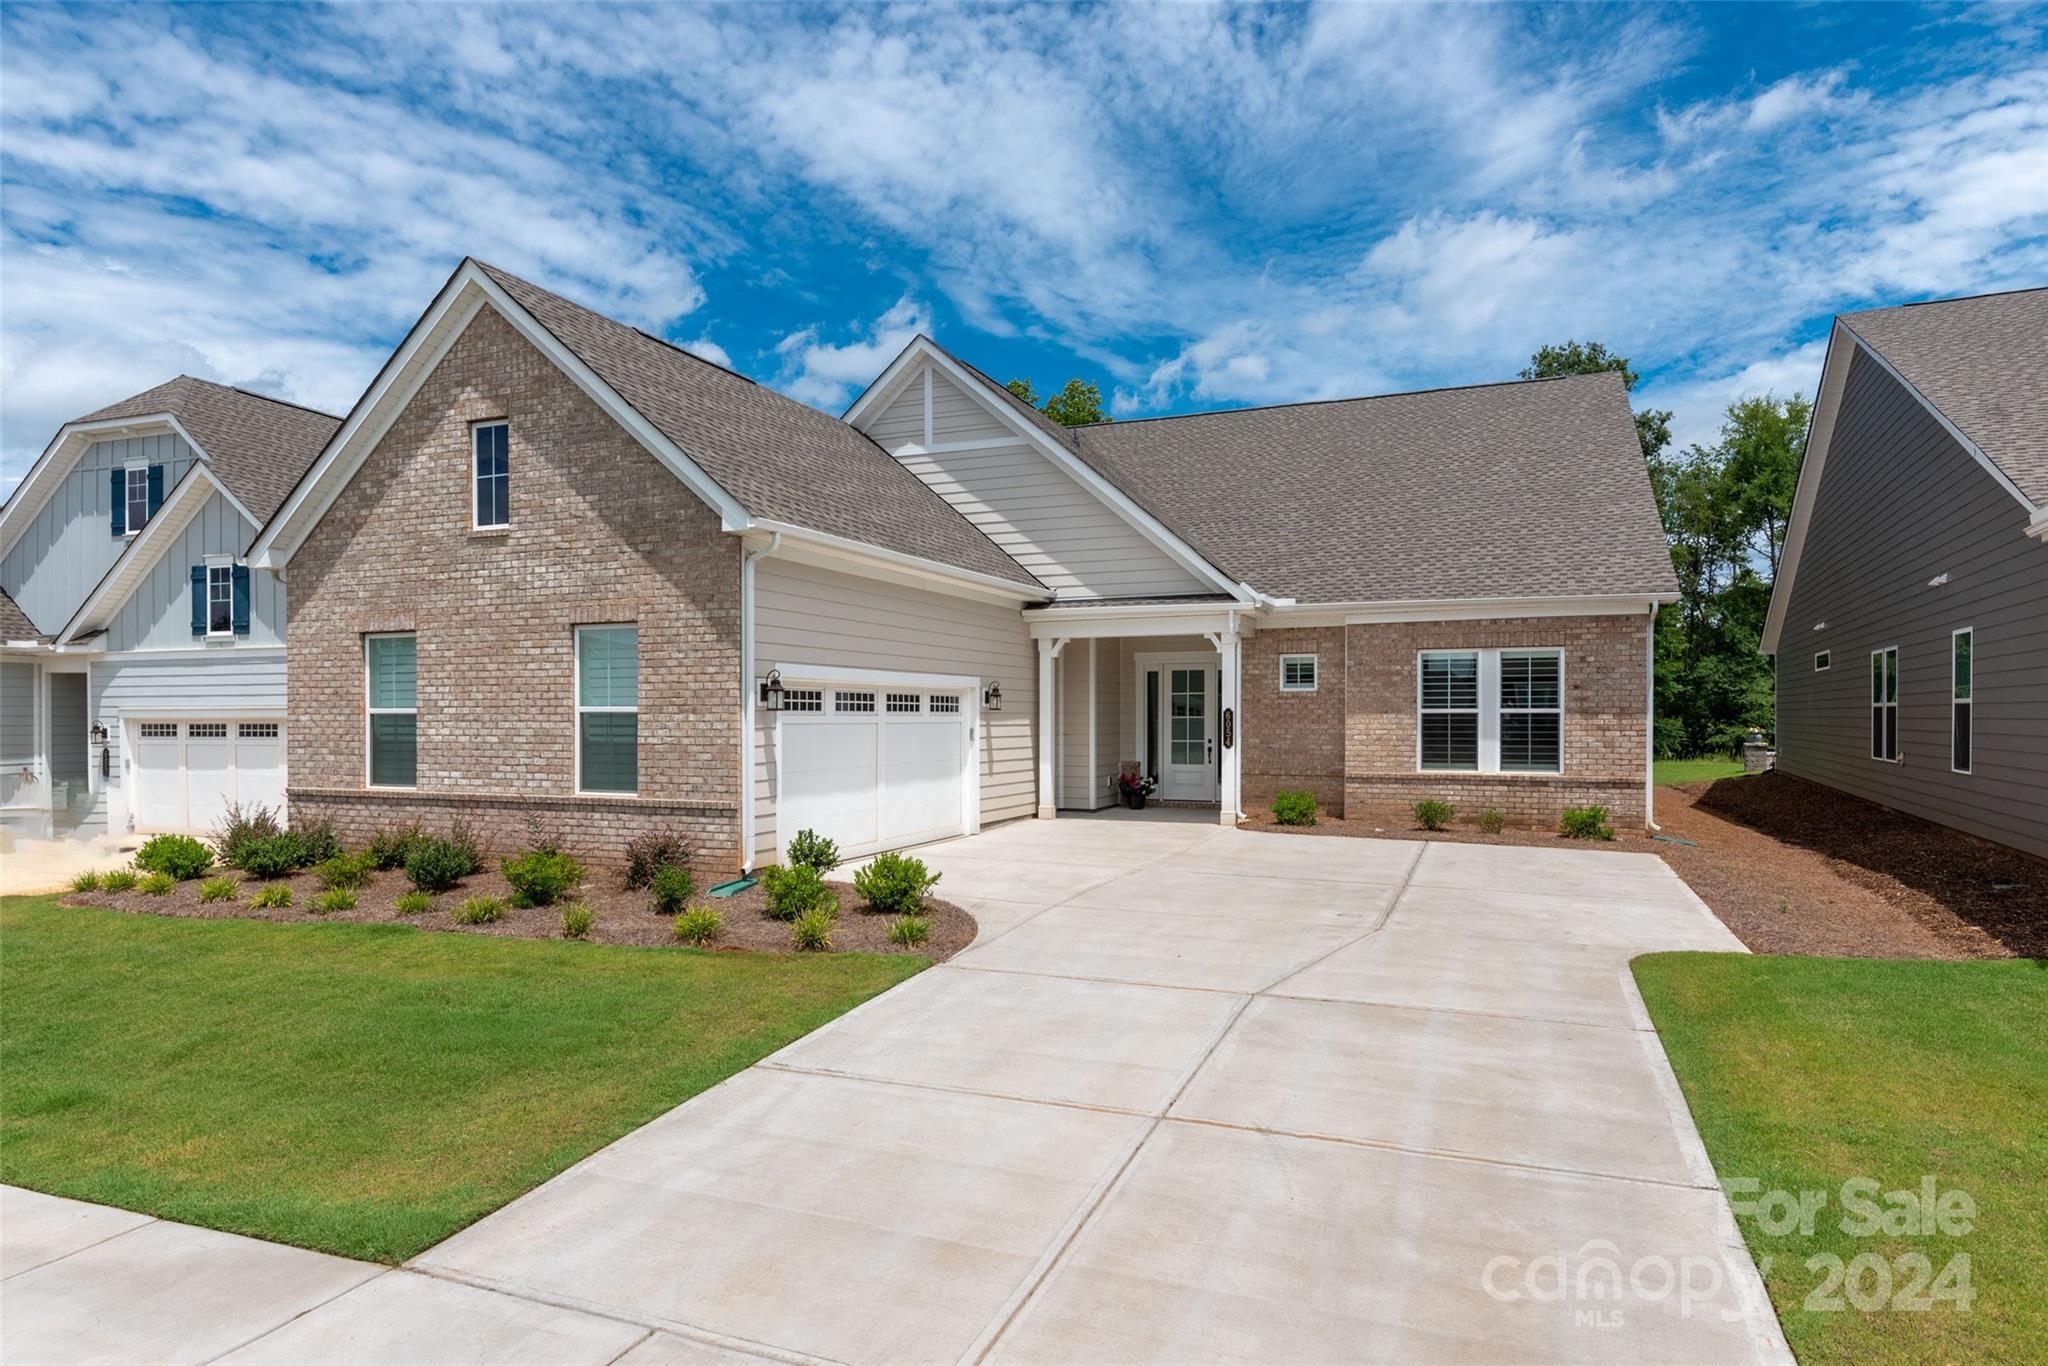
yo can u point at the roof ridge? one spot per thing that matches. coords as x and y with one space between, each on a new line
1355 398
1952 299
676 347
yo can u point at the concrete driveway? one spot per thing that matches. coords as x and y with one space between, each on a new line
1195 1095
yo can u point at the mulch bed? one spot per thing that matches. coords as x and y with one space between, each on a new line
621 916
1793 867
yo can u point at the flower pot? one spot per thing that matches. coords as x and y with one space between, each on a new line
1135 800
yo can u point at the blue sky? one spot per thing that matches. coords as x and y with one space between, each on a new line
1195 207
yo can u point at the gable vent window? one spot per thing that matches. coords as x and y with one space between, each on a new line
1297 673
1961 689
491 442
1822 661
1884 704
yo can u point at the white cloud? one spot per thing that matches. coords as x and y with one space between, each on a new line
710 350
828 374
1697 404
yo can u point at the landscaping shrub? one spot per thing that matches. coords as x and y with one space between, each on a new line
812 850
436 864
910 931
181 857
239 827
480 910
699 925
1294 808
86 882
317 842
337 899
158 884
648 854
1435 815
542 875
273 856
414 902
811 931
672 887
576 921
894 884
345 870
1493 820
217 889
389 849
462 838
794 891
1585 823
276 896
120 880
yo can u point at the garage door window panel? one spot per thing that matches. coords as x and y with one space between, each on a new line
608 709
392 662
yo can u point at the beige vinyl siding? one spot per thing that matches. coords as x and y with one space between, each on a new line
902 418
804 614
1074 775
960 416
1112 699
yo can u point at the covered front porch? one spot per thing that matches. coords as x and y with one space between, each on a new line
1150 689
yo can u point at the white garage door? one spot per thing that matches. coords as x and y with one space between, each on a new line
186 772
873 767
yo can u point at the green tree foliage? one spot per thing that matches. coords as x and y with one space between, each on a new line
1724 509
1079 404
1022 389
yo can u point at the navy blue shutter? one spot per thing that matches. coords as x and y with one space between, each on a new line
120 478
241 599
198 599
156 488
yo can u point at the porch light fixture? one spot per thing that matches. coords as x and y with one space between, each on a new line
992 697
771 691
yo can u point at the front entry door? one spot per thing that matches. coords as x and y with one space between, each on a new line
1188 772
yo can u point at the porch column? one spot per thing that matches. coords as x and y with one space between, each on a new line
1228 648
1048 653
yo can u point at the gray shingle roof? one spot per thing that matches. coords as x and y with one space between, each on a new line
1529 489
258 446
1981 361
782 460
14 623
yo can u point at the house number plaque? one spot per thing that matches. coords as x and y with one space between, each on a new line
1229 727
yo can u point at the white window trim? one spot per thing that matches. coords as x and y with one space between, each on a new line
1823 660
129 526
227 562
1490 711
576 699
1893 651
1954 701
1314 668
476 482
413 711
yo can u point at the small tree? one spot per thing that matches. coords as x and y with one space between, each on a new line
1022 389
1077 405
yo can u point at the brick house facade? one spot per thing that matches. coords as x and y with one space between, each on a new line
600 533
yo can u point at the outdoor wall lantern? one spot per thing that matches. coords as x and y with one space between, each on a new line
992 699
771 691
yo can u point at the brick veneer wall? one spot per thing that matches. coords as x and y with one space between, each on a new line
1352 741
601 532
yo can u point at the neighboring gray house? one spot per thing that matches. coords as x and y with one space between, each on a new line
141 660
1910 615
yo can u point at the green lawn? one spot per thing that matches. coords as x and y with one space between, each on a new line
1669 771
363 1089
1804 1073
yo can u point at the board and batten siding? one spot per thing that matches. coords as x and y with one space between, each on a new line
20 736
235 681
158 614
807 615
1900 503
67 547
1069 539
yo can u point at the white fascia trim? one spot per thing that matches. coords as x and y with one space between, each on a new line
1468 609
444 322
70 442
187 652
260 710
1125 609
140 555
859 555
1148 526
1059 626
1821 431
833 673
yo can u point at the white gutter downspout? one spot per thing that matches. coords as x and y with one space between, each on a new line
1650 723
748 694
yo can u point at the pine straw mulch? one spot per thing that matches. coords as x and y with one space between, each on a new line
620 916
1793 867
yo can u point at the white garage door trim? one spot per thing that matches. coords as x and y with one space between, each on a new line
872 733
169 749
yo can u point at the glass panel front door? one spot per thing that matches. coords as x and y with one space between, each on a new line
1189 773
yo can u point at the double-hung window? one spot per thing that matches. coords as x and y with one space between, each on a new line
137 490
1960 692
490 444
1297 673
220 598
1490 711
391 667
608 709
1884 704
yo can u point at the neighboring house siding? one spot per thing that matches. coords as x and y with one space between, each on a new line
62 553
808 615
228 682
1899 503
158 614
601 532
1063 534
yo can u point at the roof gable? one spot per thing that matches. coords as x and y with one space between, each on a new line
131 568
